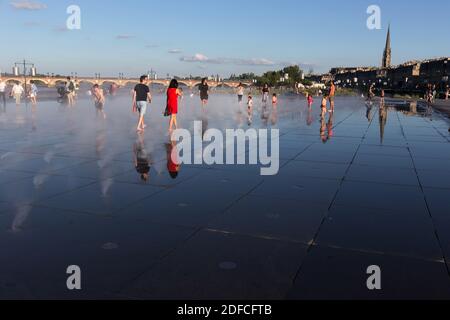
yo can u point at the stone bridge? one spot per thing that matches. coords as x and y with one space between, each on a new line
54 81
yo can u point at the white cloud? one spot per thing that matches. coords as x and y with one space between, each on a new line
196 58
245 62
174 51
255 62
28 5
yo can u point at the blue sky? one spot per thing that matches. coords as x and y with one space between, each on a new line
208 37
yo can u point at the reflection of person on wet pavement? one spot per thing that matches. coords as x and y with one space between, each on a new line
173 165
310 117
33 118
330 127
205 125
326 129
274 115
383 121
142 160
369 112
323 127
265 114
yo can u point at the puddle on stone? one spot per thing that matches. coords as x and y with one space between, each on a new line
110 246
228 265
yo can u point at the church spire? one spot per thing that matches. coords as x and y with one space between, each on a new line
387 56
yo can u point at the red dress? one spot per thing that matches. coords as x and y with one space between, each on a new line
172 101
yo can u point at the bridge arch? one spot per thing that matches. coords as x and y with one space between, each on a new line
129 82
227 85
91 82
40 82
12 81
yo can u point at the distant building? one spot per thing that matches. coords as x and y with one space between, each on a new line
387 55
411 75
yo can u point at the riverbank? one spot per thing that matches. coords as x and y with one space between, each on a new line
443 106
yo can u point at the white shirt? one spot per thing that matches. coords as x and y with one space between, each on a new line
2 86
17 89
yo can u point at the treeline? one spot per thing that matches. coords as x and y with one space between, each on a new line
286 77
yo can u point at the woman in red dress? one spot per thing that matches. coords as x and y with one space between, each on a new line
172 103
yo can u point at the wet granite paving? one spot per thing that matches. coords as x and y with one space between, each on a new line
369 186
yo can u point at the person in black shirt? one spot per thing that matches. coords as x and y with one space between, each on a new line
141 96
265 93
204 92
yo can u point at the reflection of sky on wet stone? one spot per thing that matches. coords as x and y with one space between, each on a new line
74 180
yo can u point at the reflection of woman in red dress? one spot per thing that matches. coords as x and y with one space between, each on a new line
173 163
172 103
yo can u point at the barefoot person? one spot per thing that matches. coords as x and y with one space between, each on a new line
324 106
204 92
70 91
17 92
141 96
310 100
371 93
274 99
3 92
172 103
33 93
99 100
332 95
250 110
240 92
265 93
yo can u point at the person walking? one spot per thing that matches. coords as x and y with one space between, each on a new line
434 93
447 92
3 92
99 100
265 93
240 92
33 93
310 100
70 91
172 103
17 92
204 92
250 110
141 97
332 95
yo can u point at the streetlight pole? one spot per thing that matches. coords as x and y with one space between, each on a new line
24 63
